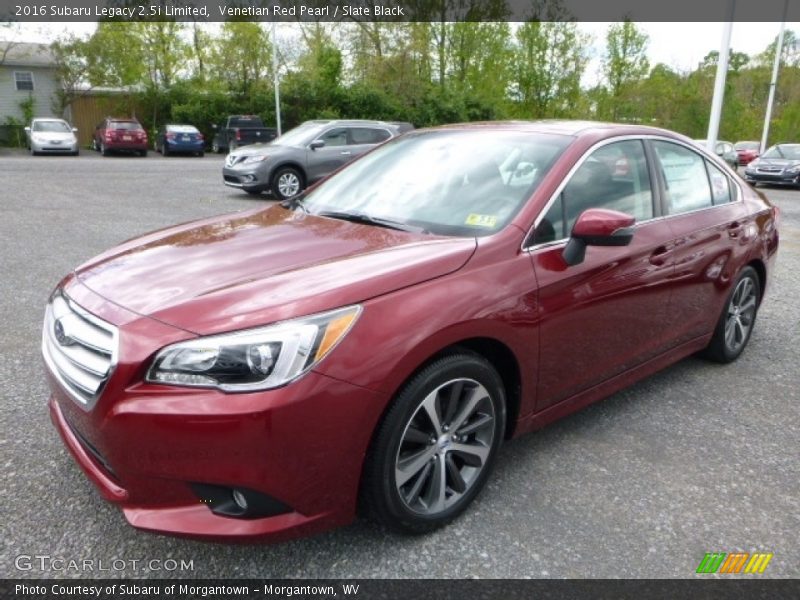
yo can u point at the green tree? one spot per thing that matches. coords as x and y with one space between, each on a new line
549 61
625 65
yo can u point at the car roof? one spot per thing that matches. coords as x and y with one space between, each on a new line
352 122
575 128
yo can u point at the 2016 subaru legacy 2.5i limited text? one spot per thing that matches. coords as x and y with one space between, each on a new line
371 342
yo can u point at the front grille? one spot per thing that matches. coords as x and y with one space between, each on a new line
769 169
79 349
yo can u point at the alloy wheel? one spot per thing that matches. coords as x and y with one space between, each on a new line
288 184
740 315
445 446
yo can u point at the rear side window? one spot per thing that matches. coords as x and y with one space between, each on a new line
614 176
720 185
368 135
685 178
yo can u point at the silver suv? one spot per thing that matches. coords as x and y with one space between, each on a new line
303 155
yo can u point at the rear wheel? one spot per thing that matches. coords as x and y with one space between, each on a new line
736 323
436 446
143 152
103 150
286 182
165 150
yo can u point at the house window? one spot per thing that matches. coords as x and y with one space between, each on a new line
24 81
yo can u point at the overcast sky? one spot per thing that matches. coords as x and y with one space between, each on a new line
679 45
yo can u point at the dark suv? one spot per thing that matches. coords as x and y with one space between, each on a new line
125 135
304 155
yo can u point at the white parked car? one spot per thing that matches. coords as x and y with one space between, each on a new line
46 136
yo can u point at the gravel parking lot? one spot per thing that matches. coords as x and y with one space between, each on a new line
695 459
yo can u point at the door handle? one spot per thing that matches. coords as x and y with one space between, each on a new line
659 256
734 229
346 152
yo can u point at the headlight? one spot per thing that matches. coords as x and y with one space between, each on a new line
794 169
254 158
255 359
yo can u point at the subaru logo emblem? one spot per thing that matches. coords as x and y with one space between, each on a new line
61 336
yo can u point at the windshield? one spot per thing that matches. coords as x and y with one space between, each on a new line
463 183
300 135
51 126
746 146
789 151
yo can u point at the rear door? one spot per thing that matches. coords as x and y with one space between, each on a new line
707 221
609 313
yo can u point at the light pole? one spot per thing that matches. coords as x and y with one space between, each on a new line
719 82
774 82
275 83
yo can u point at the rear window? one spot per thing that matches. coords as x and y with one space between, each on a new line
182 128
245 122
124 125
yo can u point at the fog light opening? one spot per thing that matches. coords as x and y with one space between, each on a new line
238 502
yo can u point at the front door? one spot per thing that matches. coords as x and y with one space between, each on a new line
609 313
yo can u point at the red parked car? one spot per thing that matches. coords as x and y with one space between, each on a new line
372 342
120 135
747 152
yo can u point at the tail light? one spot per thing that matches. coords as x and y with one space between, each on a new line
200 137
238 135
170 136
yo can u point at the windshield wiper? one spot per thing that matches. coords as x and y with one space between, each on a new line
370 220
295 201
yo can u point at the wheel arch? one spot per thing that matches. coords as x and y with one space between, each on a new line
761 270
289 163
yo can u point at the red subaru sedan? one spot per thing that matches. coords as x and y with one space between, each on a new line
371 343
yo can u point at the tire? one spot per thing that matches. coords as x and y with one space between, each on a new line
33 152
164 151
201 154
459 387
76 153
94 144
143 153
286 182
103 150
232 146
215 148
735 324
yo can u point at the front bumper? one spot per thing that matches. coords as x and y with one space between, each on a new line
780 178
247 178
144 446
51 147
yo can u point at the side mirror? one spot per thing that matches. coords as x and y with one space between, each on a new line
74 130
597 227
27 130
317 144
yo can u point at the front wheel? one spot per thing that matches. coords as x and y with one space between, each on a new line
436 446
286 182
735 325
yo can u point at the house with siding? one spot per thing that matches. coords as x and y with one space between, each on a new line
27 71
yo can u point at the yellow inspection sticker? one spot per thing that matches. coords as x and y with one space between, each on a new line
481 220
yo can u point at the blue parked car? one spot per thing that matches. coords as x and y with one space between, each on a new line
172 139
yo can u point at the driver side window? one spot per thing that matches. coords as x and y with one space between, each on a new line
614 176
335 137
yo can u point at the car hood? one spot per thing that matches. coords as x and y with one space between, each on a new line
248 269
55 135
783 163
